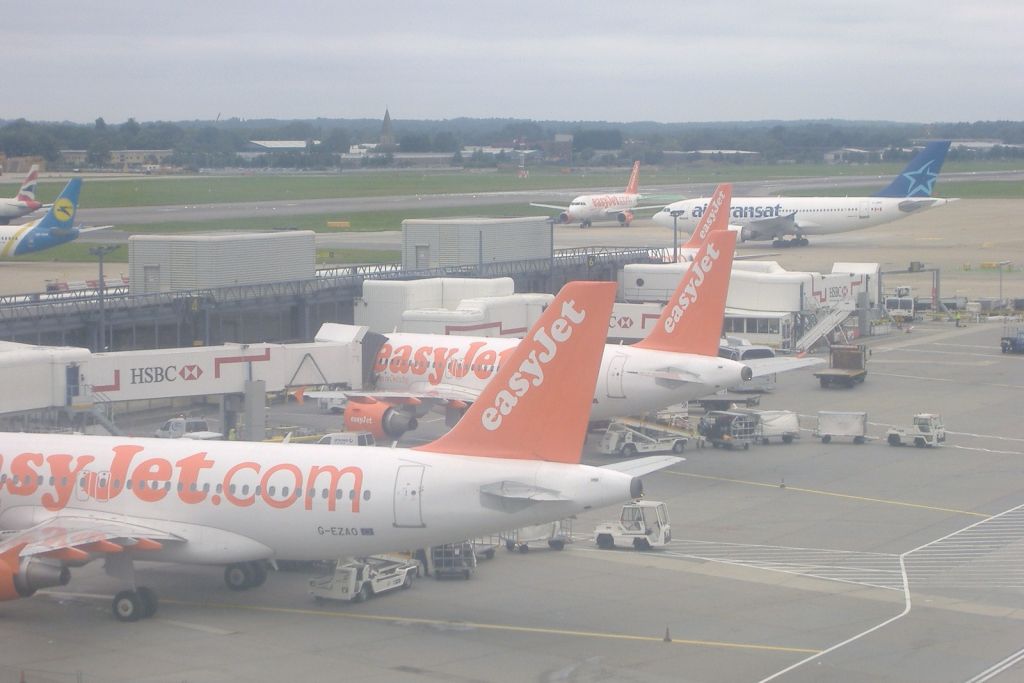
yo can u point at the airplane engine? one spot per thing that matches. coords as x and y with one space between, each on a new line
746 233
380 418
33 573
625 218
564 218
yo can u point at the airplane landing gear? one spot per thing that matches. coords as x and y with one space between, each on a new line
241 576
795 242
132 605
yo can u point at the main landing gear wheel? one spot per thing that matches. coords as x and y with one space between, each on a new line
132 605
242 575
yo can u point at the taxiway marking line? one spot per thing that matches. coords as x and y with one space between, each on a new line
463 624
848 496
501 627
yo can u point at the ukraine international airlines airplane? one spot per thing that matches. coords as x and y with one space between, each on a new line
773 218
514 460
24 202
56 227
590 207
678 361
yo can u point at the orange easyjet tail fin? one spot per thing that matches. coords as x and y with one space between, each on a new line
692 320
536 407
713 218
633 186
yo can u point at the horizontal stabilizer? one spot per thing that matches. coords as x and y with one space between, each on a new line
641 466
678 375
514 490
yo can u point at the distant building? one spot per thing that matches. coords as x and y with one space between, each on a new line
259 148
386 141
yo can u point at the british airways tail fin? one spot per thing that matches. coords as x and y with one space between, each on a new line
633 186
692 320
62 213
27 192
537 405
713 218
918 178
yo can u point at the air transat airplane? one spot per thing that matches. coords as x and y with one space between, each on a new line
56 227
513 461
24 202
678 361
773 218
590 207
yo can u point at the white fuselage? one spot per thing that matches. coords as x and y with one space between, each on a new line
592 207
16 208
235 501
811 215
631 381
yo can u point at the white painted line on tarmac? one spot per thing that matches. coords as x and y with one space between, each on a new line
951 381
967 530
998 667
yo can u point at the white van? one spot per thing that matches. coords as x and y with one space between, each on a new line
347 439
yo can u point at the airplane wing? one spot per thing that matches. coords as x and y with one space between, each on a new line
769 366
550 206
641 466
775 227
613 212
84 535
445 392
94 229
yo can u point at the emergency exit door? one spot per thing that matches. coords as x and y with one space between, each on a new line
409 496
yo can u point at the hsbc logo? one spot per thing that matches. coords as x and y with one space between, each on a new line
157 374
190 372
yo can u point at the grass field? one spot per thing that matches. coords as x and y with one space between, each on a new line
79 253
156 191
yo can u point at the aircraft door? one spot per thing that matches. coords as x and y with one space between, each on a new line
93 486
864 210
408 496
613 378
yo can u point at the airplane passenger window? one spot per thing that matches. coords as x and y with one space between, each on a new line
271 490
366 495
338 494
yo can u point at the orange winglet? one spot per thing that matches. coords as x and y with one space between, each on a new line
536 407
103 546
146 544
68 555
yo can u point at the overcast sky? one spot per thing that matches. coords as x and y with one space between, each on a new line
609 60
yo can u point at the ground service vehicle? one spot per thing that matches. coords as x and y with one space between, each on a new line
357 580
783 425
730 429
900 305
847 365
832 423
629 437
927 430
347 439
187 427
643 524
1013 339
555 534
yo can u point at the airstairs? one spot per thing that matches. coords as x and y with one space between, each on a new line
832 318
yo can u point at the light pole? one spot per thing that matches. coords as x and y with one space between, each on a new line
99 252
675 237
1001 264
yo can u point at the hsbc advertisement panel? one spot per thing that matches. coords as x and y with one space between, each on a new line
134 375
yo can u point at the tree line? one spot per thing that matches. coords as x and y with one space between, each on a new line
197 144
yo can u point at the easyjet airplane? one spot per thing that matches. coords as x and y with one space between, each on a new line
773 218
678 361
590 207
513 461
24 202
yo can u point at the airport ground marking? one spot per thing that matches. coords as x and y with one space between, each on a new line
908 604
458 624
834 494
